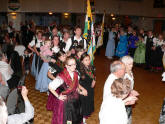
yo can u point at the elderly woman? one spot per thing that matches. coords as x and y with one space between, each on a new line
128 61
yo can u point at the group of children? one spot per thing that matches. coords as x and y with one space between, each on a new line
49 61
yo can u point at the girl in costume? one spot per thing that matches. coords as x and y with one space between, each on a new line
87 80
68 107
53 71
43 80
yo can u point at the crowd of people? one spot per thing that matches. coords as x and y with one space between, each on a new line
145 47
62 68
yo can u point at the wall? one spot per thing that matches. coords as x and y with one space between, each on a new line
3 5
142 8
76 6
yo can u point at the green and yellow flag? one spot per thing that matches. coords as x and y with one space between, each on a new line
89 34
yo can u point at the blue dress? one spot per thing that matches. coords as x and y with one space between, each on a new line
43 80
122 46
33 68
39 65
110 49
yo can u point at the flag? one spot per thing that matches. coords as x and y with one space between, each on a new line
89 34
100 39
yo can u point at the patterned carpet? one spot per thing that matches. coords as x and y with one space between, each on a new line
146 111
38 100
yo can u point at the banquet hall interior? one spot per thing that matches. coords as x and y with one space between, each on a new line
141 14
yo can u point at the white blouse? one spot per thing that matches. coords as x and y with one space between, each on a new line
113 111
68 45
157 42
38 44
131 78
85 43
55 49
107 85
58 81
5 70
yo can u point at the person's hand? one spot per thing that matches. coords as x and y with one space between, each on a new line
62 97
1 80
24 92
84 92
93 83
130 100
38 54
53 60
134 93
3 83
130 103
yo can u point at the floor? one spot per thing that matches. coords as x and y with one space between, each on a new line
146 110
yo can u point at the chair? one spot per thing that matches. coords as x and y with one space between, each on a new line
11 102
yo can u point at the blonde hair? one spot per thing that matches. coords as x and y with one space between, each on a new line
120 87
46 41
68 59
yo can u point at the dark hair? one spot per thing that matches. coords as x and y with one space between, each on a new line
60 53
55 36
84 55
78 49
66 31
46 36
39 32
76 27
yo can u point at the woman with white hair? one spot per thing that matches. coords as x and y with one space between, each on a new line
128 61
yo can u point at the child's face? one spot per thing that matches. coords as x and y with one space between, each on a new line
80 53
78 31
134 33
48 44
43 38
25 52
39 36
86 61
62 58
54 31
66 35
71 65
160 37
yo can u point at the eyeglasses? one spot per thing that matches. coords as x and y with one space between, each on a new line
72 65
